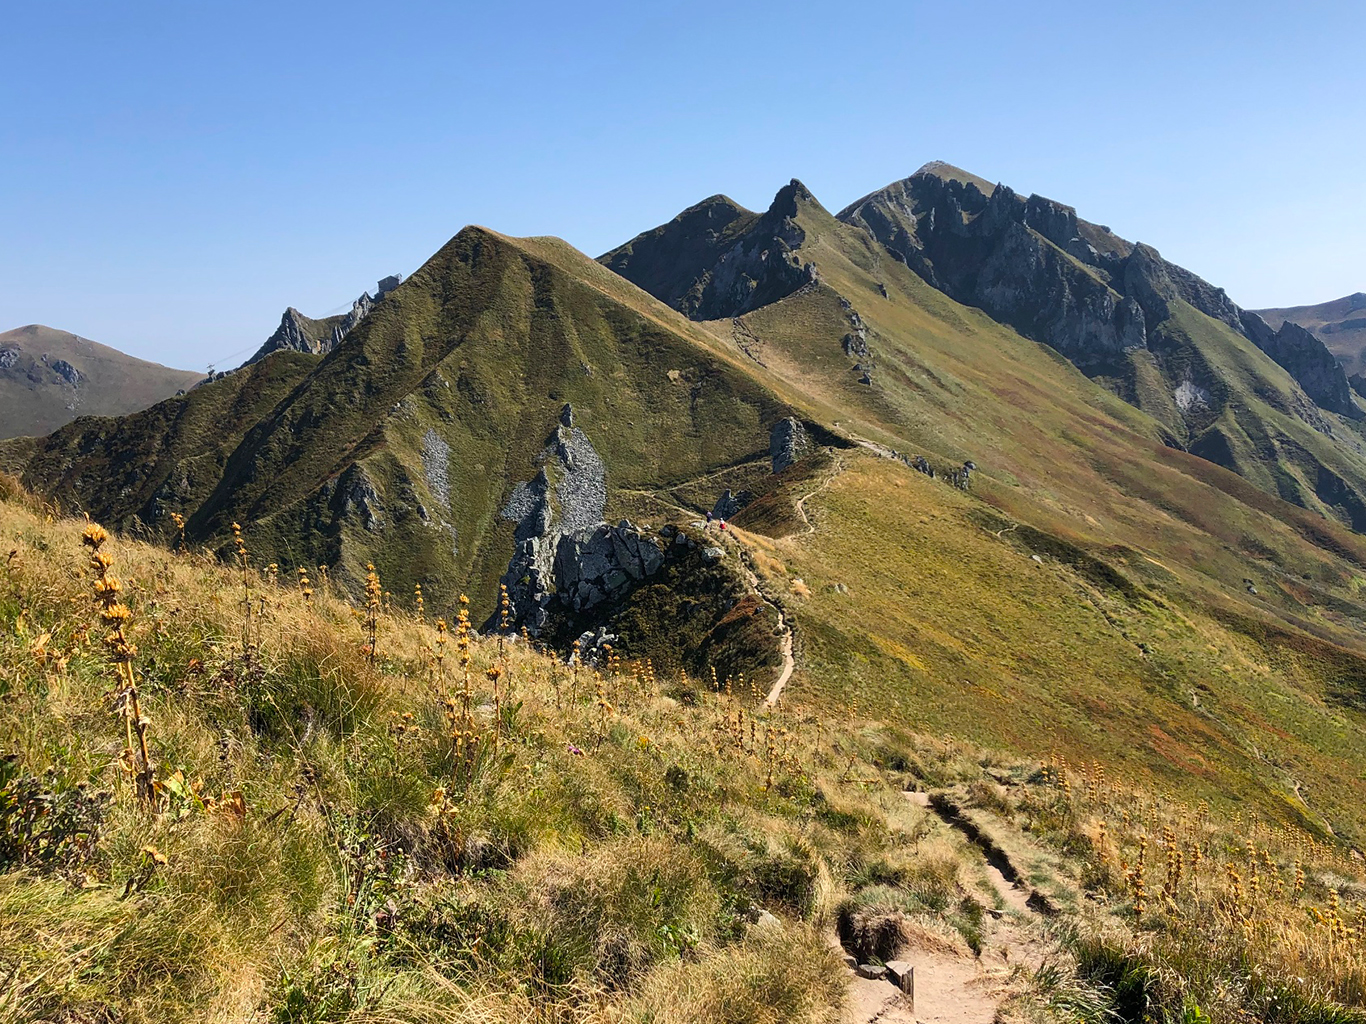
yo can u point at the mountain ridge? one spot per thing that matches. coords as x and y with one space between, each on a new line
1339 323
49 377
1110 306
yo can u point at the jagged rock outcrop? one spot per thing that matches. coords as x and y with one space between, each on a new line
1340 324
730 503
1306 359
67 372
787 442
565 558
717 259
293 335
298 333
601 563
1033 264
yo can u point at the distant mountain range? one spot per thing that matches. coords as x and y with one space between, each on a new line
49 377
1268 402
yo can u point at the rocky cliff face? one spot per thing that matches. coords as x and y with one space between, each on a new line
565 558
788 442
1033 264
718 259
1306 359
1340 324
298 333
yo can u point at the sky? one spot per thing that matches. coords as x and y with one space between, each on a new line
174 174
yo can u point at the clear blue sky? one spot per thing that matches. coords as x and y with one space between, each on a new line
172 175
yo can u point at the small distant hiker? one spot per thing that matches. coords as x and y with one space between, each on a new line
723 526
708 521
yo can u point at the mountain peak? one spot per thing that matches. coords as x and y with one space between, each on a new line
789 201
948 172
48 377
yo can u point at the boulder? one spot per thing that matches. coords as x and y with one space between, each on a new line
787 442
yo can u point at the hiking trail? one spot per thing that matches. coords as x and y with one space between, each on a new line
952 988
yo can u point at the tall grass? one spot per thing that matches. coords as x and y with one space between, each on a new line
342 828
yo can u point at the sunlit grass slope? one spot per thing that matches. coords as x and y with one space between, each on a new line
929 608
359 815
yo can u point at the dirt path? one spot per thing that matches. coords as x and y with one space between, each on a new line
784 632
785 641
949 988
835 471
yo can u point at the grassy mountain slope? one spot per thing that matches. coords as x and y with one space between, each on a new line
1340 324
134 470
402 445
1096 594
1155 553
1143 604
333 836
49 377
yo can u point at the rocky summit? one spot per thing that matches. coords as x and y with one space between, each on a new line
298 333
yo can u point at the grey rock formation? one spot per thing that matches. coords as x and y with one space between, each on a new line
600 564
1305 358
565 557
436 459
730 503
591 646
582 488
787 442
1033 264
8 357
855 343
68 372
360 309
361 498
719 260
292 335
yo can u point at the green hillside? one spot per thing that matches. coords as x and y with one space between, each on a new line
473 357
